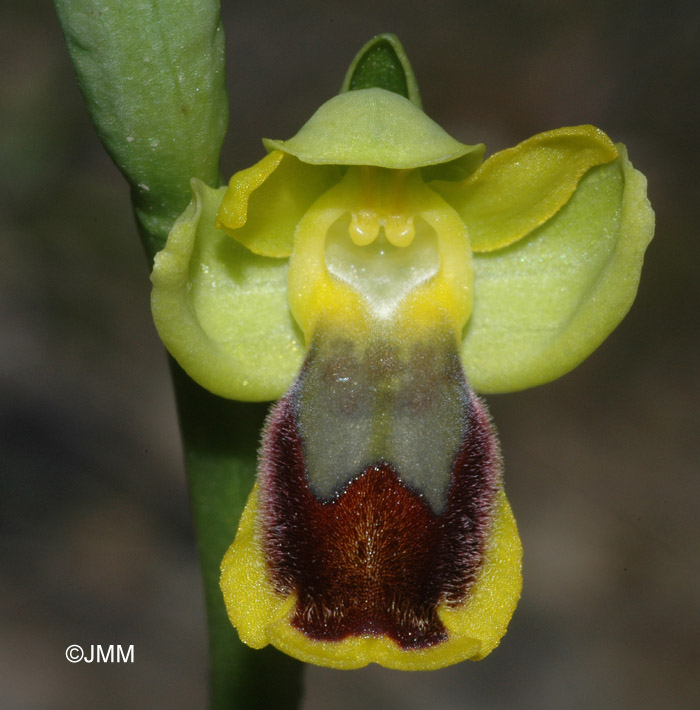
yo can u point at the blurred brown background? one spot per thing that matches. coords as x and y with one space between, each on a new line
601 466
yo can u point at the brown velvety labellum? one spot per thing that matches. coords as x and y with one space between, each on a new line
375 559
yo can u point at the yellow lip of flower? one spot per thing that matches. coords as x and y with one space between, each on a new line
262 616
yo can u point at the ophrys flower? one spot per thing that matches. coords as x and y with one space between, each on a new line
374 267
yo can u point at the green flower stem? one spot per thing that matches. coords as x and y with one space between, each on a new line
158 100
220 438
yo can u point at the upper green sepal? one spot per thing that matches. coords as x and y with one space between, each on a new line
221 310
372 127
547 301
383 63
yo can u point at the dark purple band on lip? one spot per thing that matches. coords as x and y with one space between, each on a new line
375 560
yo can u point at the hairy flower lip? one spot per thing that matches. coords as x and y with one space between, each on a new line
277 577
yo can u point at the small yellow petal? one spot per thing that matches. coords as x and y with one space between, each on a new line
264 203
517 190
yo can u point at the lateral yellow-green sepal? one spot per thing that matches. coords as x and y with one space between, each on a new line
221 310
264 203
544 303
517 190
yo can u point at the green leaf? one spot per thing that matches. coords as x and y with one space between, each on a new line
383 63
152 75
546 302
221 310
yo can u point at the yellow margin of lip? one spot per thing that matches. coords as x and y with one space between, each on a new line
475 628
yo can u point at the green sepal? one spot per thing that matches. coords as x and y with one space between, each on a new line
372 127
544 303
383 63
222 311
152 75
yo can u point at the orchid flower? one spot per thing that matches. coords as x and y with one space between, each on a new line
373 273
